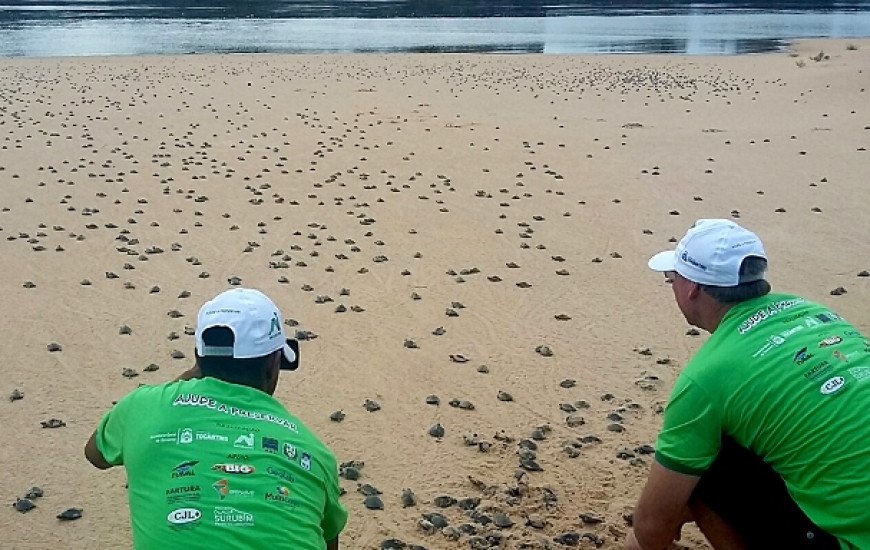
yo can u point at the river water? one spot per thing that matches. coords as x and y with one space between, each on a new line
122 27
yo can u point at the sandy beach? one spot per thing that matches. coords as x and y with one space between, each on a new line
473 227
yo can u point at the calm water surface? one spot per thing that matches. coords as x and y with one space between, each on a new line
121 27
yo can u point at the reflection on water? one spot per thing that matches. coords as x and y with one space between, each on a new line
88 28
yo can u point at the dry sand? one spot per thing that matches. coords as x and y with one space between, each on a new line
304 169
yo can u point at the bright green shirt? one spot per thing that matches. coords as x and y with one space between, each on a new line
213 464
790 380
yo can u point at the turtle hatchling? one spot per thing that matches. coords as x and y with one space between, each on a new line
444 501
408 498
24 505
53 423
34 492
368 490
372 406
70 514
373 502
436 430
337 416
16 395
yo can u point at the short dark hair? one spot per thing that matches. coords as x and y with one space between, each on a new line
247 372
751 268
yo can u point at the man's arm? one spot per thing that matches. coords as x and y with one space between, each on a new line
332 544
93 454
662 509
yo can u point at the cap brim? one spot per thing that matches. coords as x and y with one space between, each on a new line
289 358
663 261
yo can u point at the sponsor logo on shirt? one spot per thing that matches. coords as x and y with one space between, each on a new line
860 373
270 444
234 468
817 370
830 341
183 493
802 356
305 461
245 441
226 516
237 456
776 340
185 435
286 476
833 385
281 494
222 486
290 451
185 469
208 436
181 516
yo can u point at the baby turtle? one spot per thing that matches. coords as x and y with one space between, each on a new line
571 538
234 281
368 490
562 317
501 520
439 331
568 383
408 498
177 354
70 514
458 358
29 284
129 373
410 344
436 519
153 290
393 543
151 367
24 505
350 473
184 294
125 330
372 406
504 396
544 351
54 346
373 502
451 312
529 464
16 395
437 430
175 314
53 423
34 492
433 400
337 416
567 407
444 501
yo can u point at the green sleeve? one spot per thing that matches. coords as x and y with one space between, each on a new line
110 431
692 432
335 514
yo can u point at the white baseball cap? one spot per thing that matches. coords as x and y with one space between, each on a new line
255 322
711 253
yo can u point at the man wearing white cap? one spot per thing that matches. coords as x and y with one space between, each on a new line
765 441
212 459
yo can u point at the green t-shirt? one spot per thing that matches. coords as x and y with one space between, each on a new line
214 464
790 380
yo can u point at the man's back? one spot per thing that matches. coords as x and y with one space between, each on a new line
212 461
787 379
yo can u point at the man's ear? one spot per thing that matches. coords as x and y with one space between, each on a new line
694 290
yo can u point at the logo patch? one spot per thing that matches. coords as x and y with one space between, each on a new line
245 441
305 461
833 385
234 468
860 373
286 476
226 516
183 515
802 356
289 451
185 469
830 341
270 444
